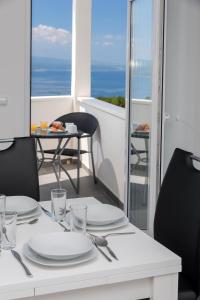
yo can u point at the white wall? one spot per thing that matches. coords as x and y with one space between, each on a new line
182 77
109 143
14 67
49 108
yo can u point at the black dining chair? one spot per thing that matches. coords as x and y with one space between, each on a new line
87 125
18 168
177 219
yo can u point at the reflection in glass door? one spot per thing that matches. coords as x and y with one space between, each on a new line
140 86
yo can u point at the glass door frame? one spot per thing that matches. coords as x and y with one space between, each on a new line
156 116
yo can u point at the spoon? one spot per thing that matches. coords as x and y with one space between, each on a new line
5 233
29 222
118 233
102 242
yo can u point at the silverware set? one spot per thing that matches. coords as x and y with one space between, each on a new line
100 241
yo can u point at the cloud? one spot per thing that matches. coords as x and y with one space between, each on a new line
108 36
51 35
108 40
108 44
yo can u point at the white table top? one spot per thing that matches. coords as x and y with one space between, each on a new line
139 257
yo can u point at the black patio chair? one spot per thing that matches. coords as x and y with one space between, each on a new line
87 124
177 219
18 168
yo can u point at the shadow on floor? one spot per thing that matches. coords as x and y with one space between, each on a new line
87 189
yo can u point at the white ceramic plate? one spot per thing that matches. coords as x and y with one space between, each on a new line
33 214
60 245
21 204
121 223
34 257
103 214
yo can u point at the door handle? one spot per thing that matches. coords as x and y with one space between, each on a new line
166 117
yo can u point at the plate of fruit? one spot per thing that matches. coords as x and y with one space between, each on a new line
57 126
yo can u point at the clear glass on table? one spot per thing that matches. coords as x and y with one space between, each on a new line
58 204
2 203
2 211
78 218
8 229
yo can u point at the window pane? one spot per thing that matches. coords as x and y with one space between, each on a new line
51 47
142 49
109 48
140 111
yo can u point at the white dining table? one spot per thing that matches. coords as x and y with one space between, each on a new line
145 269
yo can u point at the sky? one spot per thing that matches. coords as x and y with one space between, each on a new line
52 27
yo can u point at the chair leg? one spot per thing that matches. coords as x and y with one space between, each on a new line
59 168
57 177
92 158
78 168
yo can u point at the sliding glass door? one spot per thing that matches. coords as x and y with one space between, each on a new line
139 93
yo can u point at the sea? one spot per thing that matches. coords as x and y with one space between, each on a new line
51 77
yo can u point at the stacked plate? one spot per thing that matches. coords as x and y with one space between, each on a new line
27 208
59 249
102 217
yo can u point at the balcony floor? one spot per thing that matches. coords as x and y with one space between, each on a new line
87 186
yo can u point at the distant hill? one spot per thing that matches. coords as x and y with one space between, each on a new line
47 63
55 64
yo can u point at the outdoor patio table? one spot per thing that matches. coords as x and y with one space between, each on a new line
63 139
145 269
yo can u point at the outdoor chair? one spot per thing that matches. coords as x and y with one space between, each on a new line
87 125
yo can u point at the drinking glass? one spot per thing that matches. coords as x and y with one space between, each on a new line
8 229
78 218
67 126
2 203
44 124
72 128
43 127
58 204
33 128
2 211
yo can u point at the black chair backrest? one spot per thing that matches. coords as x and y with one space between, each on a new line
177 217
84 121
18 169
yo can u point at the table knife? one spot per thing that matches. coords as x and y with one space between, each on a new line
19 259
50 215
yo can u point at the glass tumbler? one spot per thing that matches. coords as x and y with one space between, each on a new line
2 203
2 211
58 204
78 218
8 229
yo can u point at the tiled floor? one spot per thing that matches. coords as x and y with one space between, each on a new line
87 186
